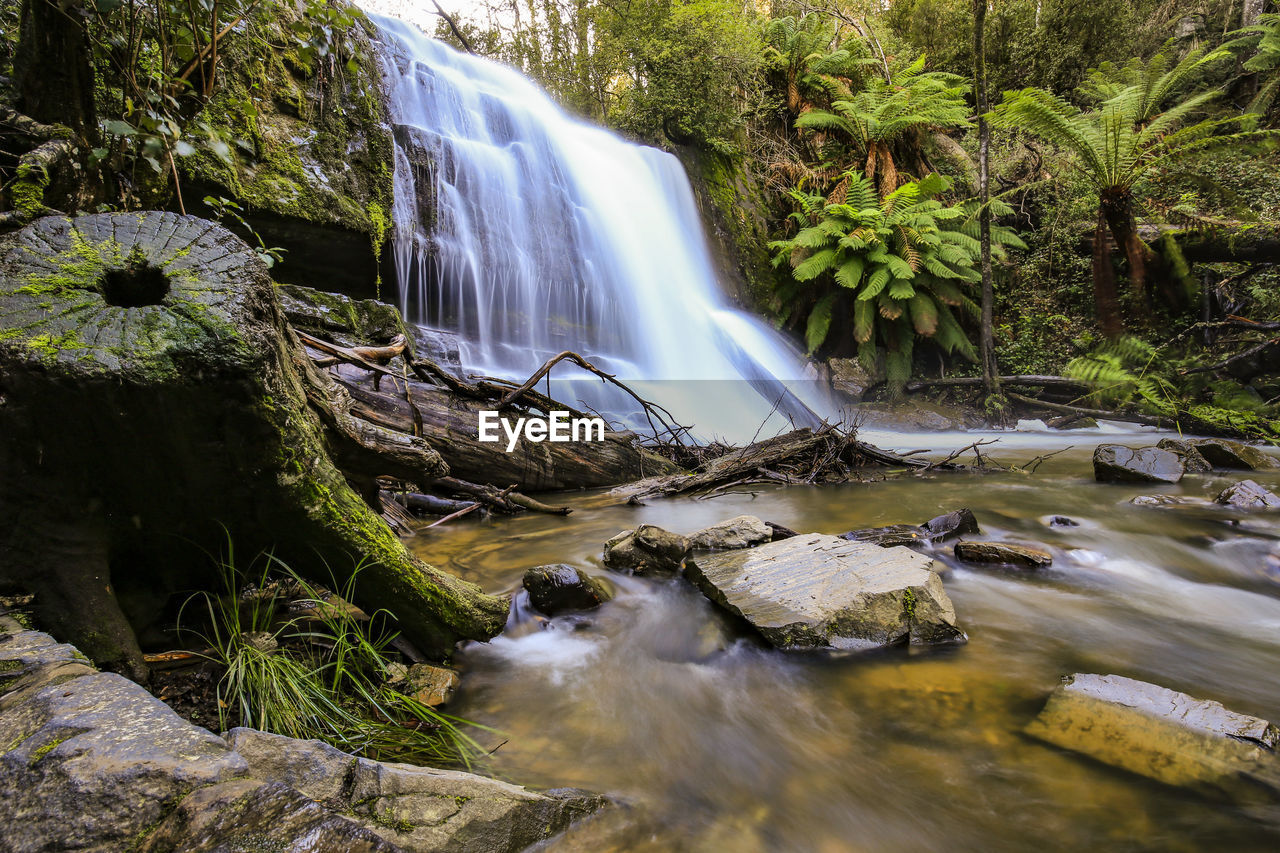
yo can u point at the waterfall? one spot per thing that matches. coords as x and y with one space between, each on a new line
530 232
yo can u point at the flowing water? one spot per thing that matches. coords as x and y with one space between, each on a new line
530 233
719 744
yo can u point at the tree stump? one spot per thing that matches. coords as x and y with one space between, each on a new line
154 406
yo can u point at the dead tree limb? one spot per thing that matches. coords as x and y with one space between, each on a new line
1037 381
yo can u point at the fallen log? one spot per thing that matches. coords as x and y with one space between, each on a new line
155 404
432 505
450 416
966 381
800 456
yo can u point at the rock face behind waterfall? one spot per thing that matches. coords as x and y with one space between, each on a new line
155 403
815 591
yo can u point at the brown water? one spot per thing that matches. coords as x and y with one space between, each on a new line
719 744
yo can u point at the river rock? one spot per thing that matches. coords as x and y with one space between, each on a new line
888 536
849 378
558 588
91 758
1163 735
1193 460
416 808
1003 553
958 522
817 591
1115 463
1222 453
646 550
430 684
249 815
741 532
1247 494
1169 500
779 532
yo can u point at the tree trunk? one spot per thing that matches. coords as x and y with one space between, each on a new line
154 406
1106 303
1117 207
990 371
1251 11
51 68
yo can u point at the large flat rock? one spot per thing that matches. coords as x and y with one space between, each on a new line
817 591
1163 735
418 809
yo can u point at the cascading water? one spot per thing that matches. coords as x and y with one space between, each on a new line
529 233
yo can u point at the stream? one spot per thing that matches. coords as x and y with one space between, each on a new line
717 743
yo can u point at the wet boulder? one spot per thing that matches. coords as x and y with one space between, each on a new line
431 685
646 550
1003 554
950 525
1193 460
741 532
1163 735
1115 463
1222 453
558 588
418 809
815 591
1247 494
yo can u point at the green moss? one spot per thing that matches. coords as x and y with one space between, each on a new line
49 747
909 604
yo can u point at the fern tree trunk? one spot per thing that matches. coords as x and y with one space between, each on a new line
990 371
1117 207
1106 303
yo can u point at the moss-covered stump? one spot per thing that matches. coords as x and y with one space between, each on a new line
151 395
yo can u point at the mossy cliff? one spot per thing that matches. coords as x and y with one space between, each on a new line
736 216
153 403
316 157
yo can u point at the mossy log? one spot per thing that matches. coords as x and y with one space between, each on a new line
154 404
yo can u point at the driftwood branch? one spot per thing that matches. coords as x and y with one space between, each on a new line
1063 408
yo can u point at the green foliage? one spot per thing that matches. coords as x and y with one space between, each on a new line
803 57
225 208
884 112
900 266
1263 40
1135 128
1156 381
322 676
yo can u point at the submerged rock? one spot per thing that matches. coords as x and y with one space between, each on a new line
1222 453
1169 500
559 587
1003 553
646 550
955 523
416 808
1247 494
888 536
1193 460
1062 521
1163 735
1115 463
816 591
741 532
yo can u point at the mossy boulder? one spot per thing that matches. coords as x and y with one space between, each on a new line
156 405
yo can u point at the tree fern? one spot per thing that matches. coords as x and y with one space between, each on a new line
897 266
